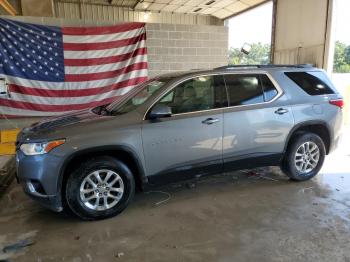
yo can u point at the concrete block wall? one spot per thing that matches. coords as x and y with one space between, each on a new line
174 47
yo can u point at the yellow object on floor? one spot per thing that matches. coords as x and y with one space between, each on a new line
9 135
7 149
7 141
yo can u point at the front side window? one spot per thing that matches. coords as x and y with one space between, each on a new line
197 94
140 97
243 89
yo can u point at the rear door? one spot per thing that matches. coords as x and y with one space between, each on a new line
256 121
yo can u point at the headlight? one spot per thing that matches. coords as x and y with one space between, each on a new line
32 149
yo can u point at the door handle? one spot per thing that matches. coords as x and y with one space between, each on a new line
281 111
210 121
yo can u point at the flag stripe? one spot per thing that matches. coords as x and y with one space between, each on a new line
101 30
103 75
102 38
105 60
103 53
20 113
75 85
104 68
103 45
53 108
74 93
70 100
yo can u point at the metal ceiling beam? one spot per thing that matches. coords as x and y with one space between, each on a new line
137 2
247 9
8 7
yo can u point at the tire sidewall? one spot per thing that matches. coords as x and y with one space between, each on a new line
75 179
291 169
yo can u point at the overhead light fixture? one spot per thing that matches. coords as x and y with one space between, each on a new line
146 16
196 10
210 2
8 7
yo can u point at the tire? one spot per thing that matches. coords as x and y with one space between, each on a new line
86 194
299 166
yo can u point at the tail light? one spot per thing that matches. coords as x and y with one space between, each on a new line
337 102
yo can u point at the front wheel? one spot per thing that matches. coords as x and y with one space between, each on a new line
100 188
304 157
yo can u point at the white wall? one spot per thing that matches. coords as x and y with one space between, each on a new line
300 34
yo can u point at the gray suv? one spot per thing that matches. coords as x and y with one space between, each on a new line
179 126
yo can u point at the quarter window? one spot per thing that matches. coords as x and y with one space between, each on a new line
270 90
197 94
243 89
311 82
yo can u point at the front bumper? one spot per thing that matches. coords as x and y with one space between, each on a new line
39 177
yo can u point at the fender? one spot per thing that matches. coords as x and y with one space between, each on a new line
139 166
304 124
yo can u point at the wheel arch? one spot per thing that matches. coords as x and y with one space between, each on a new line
122 153
320 128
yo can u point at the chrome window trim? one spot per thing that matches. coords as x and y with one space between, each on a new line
174 85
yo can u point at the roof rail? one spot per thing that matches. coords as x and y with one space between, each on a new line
264 66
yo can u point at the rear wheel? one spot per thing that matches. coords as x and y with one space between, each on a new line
100 188
304 157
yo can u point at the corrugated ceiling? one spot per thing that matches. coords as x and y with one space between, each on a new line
218 8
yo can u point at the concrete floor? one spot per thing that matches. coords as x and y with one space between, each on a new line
231 217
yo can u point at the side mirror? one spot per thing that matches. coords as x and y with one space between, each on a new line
160 111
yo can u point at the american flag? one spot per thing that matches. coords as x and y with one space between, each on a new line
53 70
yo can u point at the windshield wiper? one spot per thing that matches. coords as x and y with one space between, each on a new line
101 110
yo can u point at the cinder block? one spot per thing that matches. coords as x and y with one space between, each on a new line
203 65
189 35
7 149
152 26
203 51
176 66
182 28
168 43
190 51
182 43
203 36
161 35
154 42
175 35
167 27
162 50
197 43
7 136
215 51
175 51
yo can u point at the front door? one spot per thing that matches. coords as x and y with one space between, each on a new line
189 143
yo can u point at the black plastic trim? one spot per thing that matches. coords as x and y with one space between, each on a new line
252 161
186 171
68 160
305 124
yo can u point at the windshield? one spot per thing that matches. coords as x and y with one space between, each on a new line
138 97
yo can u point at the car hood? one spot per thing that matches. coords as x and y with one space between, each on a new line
51 125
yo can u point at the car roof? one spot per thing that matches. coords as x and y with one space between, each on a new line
241 69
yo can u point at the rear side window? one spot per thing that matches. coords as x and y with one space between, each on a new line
310 82
270 90
243 89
